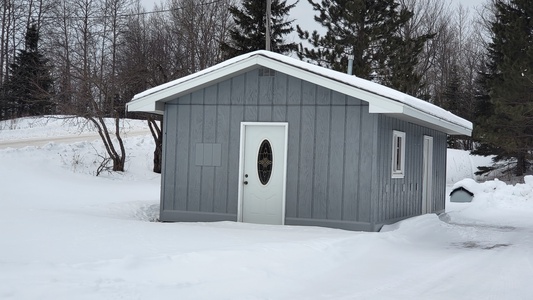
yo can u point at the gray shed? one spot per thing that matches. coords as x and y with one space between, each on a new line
266 138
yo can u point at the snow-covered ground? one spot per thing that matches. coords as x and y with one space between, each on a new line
66 234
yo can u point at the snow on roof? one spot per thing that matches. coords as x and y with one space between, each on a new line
279 62
468 184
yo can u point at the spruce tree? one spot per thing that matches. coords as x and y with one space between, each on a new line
27 90
249 33
506 124
370 31
456 99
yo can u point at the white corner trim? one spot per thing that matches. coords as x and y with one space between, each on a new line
438 123
240 189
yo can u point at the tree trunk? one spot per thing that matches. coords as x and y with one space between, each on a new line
158 139
119 160
521 164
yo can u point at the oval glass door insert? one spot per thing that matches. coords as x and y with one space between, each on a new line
264 162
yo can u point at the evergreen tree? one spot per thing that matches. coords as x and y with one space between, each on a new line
370 30
458 100
250 31
27 90
506 124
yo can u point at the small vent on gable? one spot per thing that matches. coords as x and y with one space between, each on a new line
266 72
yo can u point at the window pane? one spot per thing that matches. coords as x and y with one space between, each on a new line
398 154
264 162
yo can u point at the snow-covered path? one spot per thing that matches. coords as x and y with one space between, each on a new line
65 234
37 142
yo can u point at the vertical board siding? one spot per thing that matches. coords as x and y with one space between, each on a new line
169 164
181 154
321 162
367 155
351 162
306 159
294 114
196 137
402 197
439 170
339 155
221 173
337 137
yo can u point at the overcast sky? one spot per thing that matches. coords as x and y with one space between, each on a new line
303 13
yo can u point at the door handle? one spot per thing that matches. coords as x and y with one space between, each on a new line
246 182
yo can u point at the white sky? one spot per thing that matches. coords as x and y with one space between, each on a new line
304 14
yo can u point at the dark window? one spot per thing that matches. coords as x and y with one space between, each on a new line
264 162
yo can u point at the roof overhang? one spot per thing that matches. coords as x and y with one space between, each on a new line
153 100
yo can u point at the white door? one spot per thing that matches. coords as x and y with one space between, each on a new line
263 172
427 182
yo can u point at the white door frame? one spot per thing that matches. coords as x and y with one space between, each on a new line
285 125
427 175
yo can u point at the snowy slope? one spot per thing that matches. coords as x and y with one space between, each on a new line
66 234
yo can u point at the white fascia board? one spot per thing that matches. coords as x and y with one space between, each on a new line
197 82
143 106
377 103
436 123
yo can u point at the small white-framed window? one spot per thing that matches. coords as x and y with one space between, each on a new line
398 154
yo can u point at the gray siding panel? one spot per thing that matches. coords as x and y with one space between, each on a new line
336 162
294 91
169 163
195 172
339 155
306 158
237 90
367 155
279 89
292 203
351 163
321 163
181 151
236 117
402 197
221 173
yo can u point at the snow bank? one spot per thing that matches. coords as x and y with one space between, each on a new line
461 164
498 193
494 200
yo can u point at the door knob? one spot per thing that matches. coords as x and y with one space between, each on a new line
246 182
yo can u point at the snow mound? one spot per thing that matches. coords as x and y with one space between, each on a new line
468 184
496 193
423 221
461 164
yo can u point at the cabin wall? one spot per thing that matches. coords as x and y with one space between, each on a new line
331 171
401 198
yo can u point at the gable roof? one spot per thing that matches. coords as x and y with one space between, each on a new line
381 99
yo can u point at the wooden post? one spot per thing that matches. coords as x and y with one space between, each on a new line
268 14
